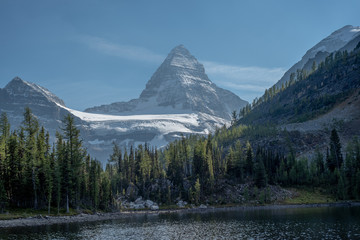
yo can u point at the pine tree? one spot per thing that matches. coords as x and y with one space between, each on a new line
3 197
197 190
40 166
4 126
3 167
313 67
233 117
76 156
48 170
335 158
357 185
292 79
31 127
249 160
260 174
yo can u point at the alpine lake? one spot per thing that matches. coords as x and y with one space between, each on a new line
228 223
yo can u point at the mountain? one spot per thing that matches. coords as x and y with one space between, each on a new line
342 39
178 100
179 85
18 94
309 108
99 131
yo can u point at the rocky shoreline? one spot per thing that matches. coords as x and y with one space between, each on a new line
80 218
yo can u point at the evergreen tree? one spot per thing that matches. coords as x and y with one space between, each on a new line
197 190
3 197
260 174
75 154
249 160
31 127
4 126
233 117
335 159
357 185
313 67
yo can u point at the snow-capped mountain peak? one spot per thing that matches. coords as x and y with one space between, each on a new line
179 85
100 131
20 88
179 71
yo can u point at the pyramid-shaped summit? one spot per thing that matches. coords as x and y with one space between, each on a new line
179 85
179 68
180 57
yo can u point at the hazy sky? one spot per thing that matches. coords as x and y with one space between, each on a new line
98 52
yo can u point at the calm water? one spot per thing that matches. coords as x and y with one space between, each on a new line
305 223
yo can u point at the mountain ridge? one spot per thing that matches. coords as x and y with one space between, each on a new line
337 40
305 112
142 123
179 85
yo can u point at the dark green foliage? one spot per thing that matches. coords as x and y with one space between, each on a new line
233 117
32 174
249 160
260 174
334 159
358 46
194 168
307 96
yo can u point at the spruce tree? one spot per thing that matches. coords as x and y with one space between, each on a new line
75 155
249 160
31 127
335 158
260 174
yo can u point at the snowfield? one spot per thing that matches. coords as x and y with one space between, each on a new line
191 118
160 128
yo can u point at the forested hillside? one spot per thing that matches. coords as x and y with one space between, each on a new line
196 169
37 174
252 161
308 94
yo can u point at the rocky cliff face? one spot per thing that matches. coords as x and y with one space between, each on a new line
179 85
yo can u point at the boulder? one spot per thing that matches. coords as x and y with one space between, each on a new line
132 205
139 200
202 206
154 207
181 204
125 204
139 206
149 203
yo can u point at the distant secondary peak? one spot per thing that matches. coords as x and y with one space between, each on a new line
18 87
15 82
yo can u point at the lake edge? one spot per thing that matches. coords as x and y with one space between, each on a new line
83 218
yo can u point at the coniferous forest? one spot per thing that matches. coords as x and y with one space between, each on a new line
59 175
40 175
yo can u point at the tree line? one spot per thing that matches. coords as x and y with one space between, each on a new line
37 174
333 59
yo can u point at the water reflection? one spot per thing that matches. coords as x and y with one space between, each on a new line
304 223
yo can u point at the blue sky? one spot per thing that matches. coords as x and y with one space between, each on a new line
98 52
